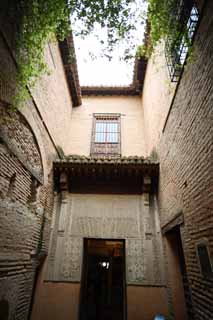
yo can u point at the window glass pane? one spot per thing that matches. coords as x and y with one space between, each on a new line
112 137
100 126
103 137
106 130
99 137
114 127
115 137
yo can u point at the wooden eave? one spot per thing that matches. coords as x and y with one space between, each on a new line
70 66
127 173
134 89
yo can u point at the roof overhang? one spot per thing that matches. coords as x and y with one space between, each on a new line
134 89
67 49
105 175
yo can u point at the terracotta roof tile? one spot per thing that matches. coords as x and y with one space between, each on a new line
93 160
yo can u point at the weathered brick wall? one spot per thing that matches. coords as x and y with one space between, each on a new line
27 149
185 151
21 218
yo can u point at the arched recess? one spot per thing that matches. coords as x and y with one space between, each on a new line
22 135
30 118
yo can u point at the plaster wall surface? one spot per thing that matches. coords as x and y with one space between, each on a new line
157 95
61 300
53 99
55 300
133 141
144 303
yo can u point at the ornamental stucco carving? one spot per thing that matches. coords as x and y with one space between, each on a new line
105 217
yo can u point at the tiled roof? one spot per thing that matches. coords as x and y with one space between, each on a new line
106 160
107 175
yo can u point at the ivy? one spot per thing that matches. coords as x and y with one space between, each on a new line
41 21
166 19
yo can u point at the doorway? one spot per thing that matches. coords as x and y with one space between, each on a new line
181 294
103 292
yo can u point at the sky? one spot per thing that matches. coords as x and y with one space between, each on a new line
95 69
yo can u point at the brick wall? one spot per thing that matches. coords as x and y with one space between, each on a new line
185 151
27 149
21 217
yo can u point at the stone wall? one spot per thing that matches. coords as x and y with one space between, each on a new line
185 151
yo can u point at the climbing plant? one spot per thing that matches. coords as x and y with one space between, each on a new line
168 21
41 21
159 16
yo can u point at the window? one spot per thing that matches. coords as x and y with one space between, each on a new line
186 18
204 259
106 135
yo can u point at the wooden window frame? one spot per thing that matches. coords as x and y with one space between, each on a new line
106 148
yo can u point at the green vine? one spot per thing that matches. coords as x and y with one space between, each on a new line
167 20
41 21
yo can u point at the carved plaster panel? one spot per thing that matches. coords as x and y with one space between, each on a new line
135 259
104 217
72 259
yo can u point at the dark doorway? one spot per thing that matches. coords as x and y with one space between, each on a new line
181 293
103 280
4 310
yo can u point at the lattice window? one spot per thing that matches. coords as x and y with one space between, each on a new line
106 135
186 16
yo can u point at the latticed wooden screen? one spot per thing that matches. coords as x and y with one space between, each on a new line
106 135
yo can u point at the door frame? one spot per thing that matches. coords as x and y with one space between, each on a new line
84 274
